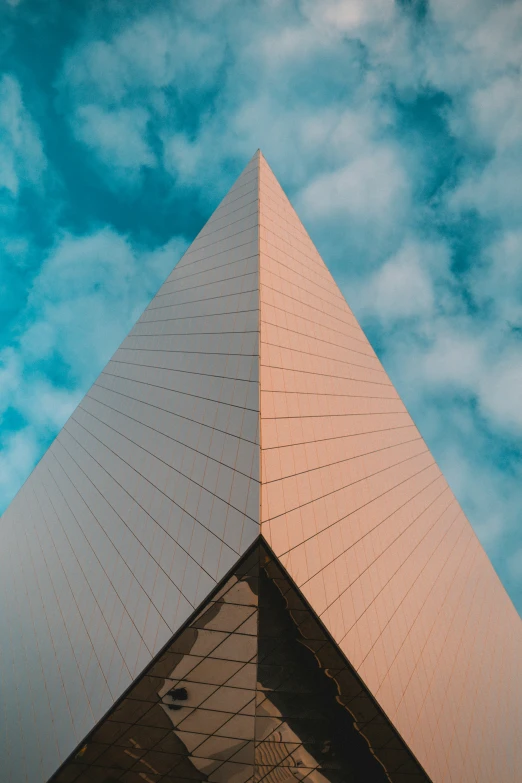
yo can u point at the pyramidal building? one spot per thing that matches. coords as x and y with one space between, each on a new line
238 561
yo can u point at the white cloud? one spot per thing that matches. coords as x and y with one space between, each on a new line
287 45
22 159
47 407
472 53
8 174
89 291
446 357
496 112
119 137
10 369
157 264
154 51
340 134
494 191
371 188
328 138
182 157
493 119
96 71
113 86
403 286
496 283
454 361
500 390
349 17
496 34
18 454
488 494
35 398
156 60
158 52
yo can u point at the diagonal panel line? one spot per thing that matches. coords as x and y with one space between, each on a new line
166 410
333 492
179 472
184 394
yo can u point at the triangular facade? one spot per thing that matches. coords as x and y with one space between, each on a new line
247 406
252 688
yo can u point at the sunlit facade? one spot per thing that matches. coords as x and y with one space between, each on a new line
238 561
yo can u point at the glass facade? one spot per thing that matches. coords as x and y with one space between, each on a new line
252 689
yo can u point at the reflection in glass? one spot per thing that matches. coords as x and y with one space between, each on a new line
252 689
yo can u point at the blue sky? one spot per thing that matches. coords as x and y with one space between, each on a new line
394 127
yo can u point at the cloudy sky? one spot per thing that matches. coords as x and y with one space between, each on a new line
394 127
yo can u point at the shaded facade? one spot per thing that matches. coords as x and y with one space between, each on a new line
144 501
247 406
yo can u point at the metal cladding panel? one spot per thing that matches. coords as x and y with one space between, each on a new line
147 497
359 514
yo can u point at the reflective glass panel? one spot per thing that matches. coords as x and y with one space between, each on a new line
252 689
